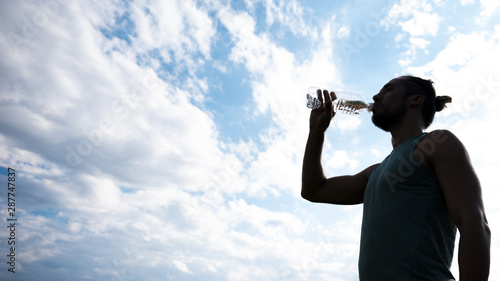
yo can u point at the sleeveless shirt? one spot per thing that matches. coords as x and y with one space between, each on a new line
407 232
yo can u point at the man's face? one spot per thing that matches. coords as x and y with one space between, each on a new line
389 107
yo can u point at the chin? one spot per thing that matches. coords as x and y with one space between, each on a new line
383 123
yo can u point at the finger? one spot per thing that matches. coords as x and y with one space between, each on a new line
327 97
328 102
333 96
320 97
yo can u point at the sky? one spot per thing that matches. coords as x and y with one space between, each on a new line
163 140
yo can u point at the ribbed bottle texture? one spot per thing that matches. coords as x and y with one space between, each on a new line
346 102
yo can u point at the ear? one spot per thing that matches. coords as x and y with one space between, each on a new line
416 100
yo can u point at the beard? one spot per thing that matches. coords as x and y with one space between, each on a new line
386 120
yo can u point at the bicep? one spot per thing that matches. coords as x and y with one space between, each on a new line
458 180
343 190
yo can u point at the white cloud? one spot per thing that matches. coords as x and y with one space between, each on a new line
128 157
464 71
182 266
279 87
346 123
467 2
419 20
376 152
489 8
341 158
343 32
180 27
80 104
290 14
69 96
422 23
419 43
399 37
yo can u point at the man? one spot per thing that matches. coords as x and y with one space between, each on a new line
415 199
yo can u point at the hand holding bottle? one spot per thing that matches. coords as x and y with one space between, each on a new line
323 113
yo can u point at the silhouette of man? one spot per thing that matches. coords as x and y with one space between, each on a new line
416 198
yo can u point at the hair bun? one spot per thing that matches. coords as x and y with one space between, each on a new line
441 102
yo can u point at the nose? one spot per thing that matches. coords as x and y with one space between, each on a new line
376 98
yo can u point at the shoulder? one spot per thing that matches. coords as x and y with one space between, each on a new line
441 145
440 136
437 139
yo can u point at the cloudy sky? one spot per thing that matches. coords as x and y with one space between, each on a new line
163 140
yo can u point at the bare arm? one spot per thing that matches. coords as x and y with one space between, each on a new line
315 186
462 192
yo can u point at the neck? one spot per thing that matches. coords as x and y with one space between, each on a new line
405 130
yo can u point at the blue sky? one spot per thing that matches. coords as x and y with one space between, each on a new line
163 140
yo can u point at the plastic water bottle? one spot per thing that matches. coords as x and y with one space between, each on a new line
346 102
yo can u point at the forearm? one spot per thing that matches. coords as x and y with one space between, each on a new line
312 170
474 253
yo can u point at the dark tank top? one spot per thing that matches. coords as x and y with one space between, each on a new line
407 232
